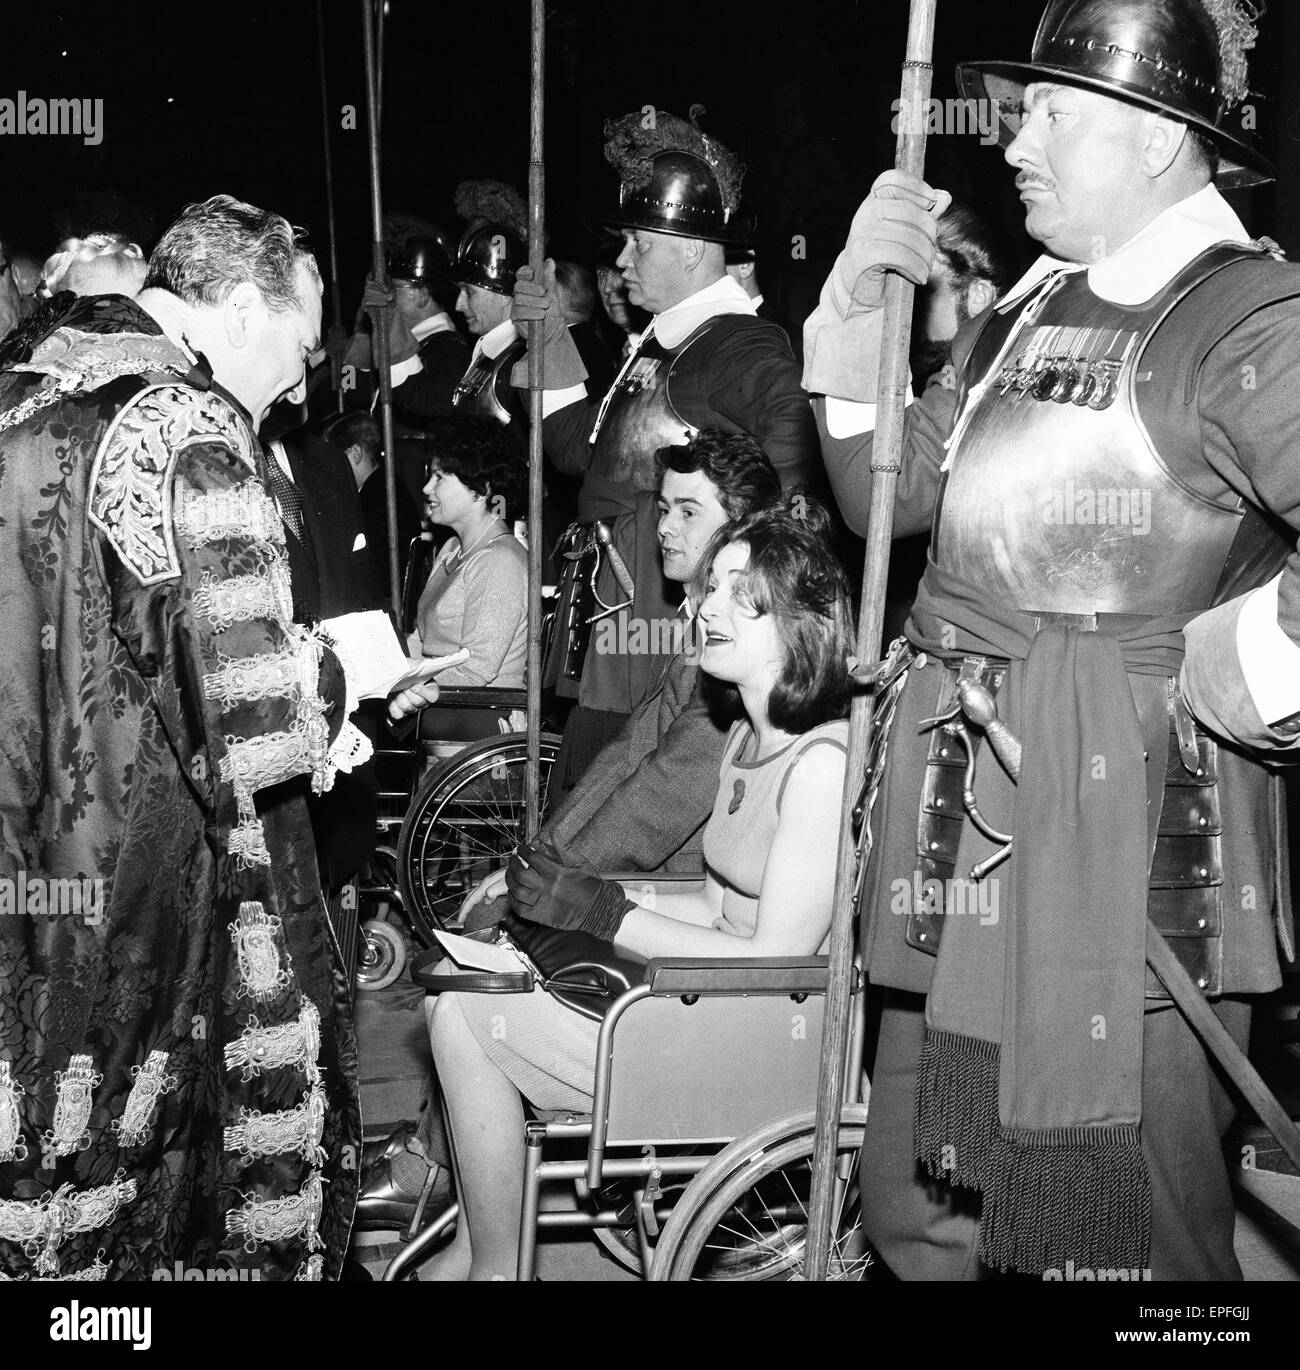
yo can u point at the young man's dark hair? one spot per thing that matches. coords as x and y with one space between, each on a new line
746 480
974 247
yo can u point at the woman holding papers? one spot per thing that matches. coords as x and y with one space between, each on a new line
774 607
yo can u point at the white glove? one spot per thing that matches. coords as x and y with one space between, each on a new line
537 301
894 230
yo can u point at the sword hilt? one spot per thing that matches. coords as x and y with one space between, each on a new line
617 564
979 705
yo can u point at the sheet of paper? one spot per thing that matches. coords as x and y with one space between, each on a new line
425 668
374 657
480 955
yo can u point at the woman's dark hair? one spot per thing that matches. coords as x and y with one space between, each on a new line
482 455
975 247
745 479
795 576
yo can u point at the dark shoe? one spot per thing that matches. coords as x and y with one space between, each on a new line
374 1152
383 1203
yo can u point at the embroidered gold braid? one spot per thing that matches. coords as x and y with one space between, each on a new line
204 517
294 1044
42 1225
72 1107
265 593
241 680
262 973
277 1220
12 1146
151 1082
292 1129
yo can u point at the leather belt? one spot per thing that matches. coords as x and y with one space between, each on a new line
1185 900
1110 624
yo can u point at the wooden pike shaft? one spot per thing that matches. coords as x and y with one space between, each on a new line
336 299
536 382
379 266
887 457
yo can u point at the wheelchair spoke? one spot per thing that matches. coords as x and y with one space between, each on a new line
465 822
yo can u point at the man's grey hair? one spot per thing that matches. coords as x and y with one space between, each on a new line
215 245
1205 154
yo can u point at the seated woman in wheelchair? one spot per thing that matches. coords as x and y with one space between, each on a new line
776 617
476 596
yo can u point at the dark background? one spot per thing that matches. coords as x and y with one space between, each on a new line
226 97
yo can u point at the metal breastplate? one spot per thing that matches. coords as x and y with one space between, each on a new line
637 417
1055 498
485 385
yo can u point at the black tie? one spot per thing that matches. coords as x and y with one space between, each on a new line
286 495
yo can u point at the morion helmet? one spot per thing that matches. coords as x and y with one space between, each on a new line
489 256
674 178
1185 58
426 261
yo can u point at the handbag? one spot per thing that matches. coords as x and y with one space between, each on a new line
585 973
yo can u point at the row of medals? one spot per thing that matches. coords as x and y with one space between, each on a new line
1064 379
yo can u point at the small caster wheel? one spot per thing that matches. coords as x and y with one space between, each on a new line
383 955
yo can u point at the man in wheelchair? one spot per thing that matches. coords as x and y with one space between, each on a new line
643 802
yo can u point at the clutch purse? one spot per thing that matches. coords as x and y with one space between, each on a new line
585 973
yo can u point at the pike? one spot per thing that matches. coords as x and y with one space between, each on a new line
888 452
378 271
336 334
536 382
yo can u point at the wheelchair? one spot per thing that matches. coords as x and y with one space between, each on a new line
682 1171
450 809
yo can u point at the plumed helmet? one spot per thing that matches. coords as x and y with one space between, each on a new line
489 256
1185 58
426 261
674 178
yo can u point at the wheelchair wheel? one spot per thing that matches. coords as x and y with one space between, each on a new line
464 822
745 1215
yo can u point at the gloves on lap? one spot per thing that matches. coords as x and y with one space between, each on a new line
545 890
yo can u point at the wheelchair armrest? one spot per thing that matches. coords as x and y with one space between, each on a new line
669 976
668 881
481 697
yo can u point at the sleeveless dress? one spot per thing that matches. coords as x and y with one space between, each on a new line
549 1052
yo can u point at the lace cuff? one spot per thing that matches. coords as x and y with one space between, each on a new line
350 749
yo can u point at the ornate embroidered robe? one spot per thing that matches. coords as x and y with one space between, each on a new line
177 1063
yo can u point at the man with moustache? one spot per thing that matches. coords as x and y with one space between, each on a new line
1061 1110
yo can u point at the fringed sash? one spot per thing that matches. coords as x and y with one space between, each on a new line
1029 1088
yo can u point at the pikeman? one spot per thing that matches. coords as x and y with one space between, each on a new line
427 354
491 252
705 361
1105 486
